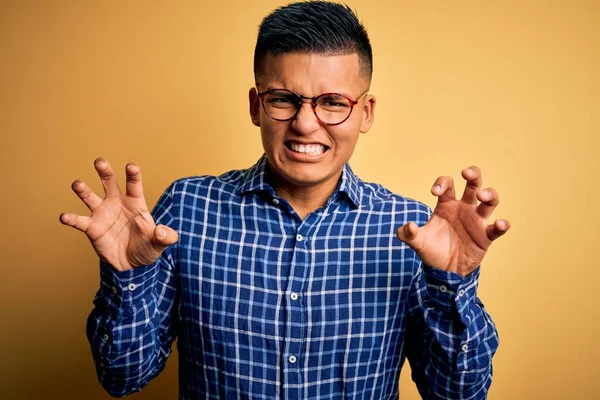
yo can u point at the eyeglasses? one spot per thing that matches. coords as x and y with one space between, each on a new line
330 108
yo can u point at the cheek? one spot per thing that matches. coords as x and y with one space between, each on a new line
345 140
271 134
347 146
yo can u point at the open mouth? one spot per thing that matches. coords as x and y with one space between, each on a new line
312 149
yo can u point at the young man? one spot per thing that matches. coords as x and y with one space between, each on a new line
294 278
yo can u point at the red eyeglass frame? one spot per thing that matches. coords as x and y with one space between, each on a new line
313 103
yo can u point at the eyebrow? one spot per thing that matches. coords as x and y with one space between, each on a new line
327 92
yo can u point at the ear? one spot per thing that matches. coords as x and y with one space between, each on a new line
254 106
368 113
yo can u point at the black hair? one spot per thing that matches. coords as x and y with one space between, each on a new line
313 27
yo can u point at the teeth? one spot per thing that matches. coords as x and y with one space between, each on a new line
311 149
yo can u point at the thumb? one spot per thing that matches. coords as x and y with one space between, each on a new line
409 234
163 237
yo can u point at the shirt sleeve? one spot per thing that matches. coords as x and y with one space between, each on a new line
132 326
451 339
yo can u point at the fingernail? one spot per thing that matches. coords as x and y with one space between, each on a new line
160 233
437 188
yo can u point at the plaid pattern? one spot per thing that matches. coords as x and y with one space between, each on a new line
266 305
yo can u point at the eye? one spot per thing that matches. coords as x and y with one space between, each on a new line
333 102
279 99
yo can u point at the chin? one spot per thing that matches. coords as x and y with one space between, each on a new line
303 173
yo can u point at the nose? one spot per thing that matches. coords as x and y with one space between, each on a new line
306 121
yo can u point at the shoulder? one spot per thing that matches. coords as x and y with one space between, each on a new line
377 197
227 183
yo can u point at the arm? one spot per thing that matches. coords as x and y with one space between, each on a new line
132 326
450 337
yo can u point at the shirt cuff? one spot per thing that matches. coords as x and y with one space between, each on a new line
451 290
123 289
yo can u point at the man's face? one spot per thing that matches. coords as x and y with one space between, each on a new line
326 148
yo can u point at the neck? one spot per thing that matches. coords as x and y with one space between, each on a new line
306 199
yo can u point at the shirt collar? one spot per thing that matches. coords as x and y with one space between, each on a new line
350 185
257 180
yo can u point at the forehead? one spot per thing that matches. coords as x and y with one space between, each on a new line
313 73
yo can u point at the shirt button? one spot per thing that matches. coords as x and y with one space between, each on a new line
131 286
105 337
276 201
114 290
294 296
443 289
292 359
299 237
461 293
465 348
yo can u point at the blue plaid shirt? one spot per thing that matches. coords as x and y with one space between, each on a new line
267 305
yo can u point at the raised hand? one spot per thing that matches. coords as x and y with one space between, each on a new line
120 228
457 235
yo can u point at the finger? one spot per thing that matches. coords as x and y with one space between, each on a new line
134 186
489 200
78 222
107 175
163 237
409 234
474 182
497 229
443 188
83 191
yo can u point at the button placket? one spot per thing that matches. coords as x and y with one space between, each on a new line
295 309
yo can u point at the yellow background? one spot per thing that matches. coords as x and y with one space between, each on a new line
511 86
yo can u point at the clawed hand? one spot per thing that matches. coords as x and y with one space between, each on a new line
120 228
458 235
